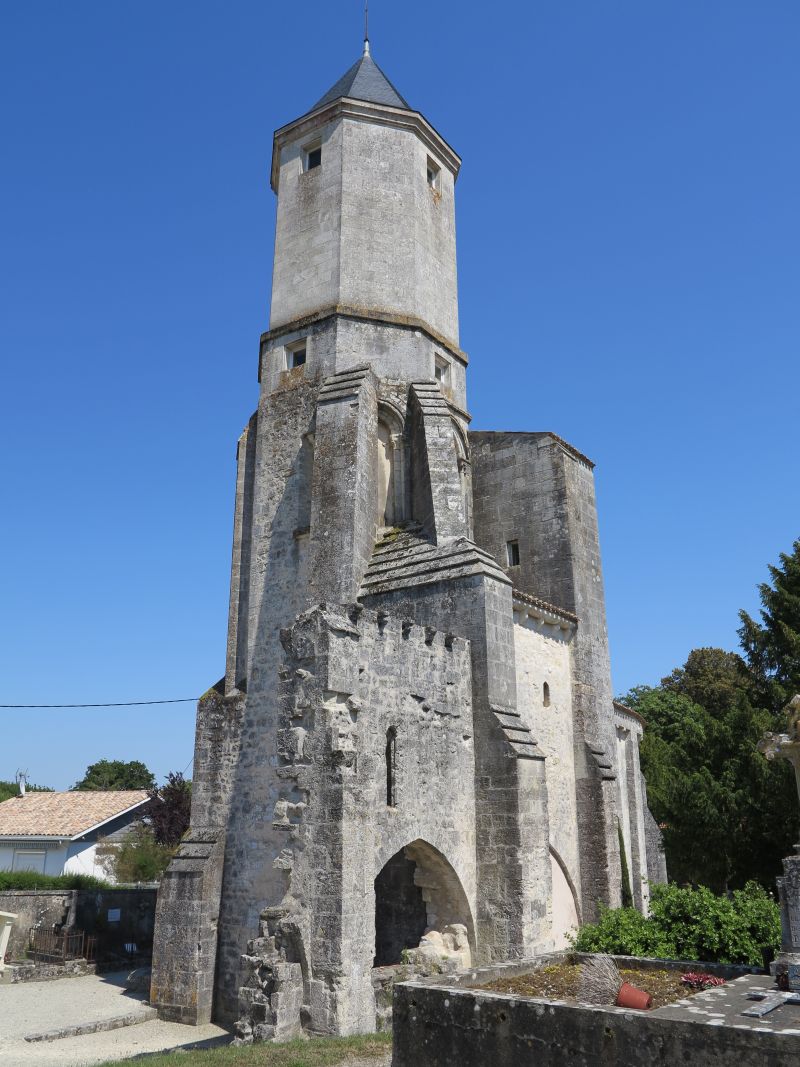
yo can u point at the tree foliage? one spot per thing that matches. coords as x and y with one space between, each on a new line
728 816
11 789
169 809
690 924
116 774
772 647
145 852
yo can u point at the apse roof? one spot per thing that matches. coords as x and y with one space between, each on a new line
364 81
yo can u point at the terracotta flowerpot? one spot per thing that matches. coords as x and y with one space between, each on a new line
631 997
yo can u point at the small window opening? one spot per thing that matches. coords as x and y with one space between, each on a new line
312 157
512 552
546 695
434 173
441 370
391 767
296 354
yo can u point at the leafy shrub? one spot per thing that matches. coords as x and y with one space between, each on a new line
139 857
33 880
690 924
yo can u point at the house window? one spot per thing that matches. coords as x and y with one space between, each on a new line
546 695
391 767
442 370
512 553
434 173
28 860
312 156
296 354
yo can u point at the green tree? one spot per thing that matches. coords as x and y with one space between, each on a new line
169 809
772 647
116 774
11 789
727 814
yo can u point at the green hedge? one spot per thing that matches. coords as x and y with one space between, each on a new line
32 880
690 924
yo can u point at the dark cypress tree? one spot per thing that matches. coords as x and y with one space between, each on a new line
772 647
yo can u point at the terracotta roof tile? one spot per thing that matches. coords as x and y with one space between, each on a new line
64 814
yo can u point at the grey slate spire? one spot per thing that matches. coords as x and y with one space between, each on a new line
364 81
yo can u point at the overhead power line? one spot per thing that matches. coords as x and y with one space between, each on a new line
118 704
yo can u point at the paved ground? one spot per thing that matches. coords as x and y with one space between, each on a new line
724 1006
31 1007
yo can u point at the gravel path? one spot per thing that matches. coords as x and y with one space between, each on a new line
31 1007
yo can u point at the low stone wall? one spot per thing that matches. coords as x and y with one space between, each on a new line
116 916
33 907
45 972
441 1022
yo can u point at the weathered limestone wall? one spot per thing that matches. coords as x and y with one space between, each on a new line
238 611
344 519
542 654
307 239
350 675
635 819
532 488
364 228
395 350
189 899
514 881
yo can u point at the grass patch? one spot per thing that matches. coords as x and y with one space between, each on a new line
316 1052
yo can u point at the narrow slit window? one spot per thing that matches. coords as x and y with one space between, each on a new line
441 370
391 767
512 553
546 695
434 173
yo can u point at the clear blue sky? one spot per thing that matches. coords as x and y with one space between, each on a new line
629 257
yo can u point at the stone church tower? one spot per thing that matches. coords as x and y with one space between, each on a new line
416 730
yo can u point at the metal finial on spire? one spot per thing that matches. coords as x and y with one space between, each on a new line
366 27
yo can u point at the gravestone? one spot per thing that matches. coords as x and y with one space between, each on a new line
786 967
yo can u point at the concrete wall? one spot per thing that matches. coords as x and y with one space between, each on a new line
439 1025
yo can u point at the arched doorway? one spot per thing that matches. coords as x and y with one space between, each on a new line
416 891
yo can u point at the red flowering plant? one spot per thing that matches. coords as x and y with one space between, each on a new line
699 980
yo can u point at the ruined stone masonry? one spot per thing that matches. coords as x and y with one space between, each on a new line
414 754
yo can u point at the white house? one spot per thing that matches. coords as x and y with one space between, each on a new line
58 833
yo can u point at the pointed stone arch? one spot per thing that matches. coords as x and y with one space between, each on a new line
417 890
461 444
390 466
566 909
